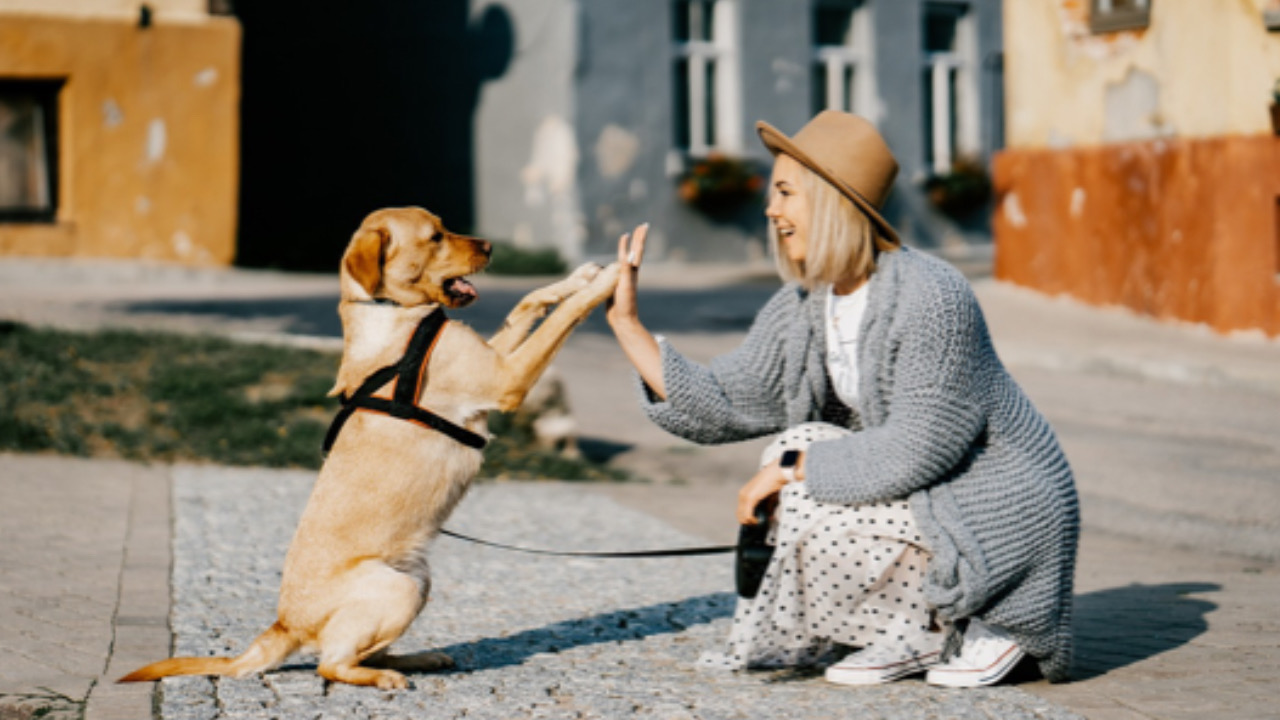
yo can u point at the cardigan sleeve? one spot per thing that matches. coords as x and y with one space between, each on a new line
939 348
738 395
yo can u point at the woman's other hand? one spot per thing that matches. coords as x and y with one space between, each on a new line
623 315
766 483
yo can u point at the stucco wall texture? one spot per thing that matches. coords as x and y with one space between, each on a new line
1177 229
1142 170
148 135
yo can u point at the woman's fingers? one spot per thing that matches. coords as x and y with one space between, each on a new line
624 248
636 252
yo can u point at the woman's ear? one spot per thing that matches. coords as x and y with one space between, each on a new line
364 258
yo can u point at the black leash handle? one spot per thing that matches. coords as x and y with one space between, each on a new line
672 552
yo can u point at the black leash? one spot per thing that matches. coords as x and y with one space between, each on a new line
673 552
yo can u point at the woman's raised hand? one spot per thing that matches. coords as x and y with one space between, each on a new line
623 307
623 314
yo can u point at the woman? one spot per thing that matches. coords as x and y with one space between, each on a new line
920 497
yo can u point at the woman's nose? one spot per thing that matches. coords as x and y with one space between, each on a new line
771 210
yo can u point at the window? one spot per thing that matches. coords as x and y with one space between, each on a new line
1112 15
705 77
28 150
949 97
843 56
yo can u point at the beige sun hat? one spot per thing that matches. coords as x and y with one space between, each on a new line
846 151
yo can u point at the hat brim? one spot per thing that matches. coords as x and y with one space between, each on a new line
779 143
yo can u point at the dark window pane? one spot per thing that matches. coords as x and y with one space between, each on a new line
28 149
680 106
831 25
953 113
849 88
680 21
711 103
926 120
940 20
708 20
819 88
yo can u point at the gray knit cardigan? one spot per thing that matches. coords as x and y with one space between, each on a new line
938 420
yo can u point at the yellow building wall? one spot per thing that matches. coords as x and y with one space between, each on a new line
162 10
148 132
1212 65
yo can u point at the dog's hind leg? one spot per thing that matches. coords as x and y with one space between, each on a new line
381 605
533 307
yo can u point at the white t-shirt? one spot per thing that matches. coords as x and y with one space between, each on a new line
844 317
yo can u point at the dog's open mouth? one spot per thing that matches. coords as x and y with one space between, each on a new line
460 291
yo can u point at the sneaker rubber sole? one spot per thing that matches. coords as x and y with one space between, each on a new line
977 677
879 675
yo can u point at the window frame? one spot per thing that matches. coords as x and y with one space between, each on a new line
856 53
720 53
945 141
1105 18
48 92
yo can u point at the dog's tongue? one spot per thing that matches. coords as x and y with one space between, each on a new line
461 287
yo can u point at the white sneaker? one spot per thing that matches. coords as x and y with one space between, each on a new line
988 654
881 664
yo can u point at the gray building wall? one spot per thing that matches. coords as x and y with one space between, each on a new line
589 95
526 150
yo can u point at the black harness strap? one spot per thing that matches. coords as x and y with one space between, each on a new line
403 403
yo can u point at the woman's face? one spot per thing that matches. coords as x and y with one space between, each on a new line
788 207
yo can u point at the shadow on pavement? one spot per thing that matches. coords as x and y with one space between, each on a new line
617 626
1121 626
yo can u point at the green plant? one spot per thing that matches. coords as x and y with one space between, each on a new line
507 259
961 192
719 184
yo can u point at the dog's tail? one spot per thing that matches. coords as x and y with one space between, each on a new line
267 651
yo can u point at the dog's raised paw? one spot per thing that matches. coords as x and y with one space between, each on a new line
586 272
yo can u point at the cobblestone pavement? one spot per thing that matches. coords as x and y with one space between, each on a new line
533 637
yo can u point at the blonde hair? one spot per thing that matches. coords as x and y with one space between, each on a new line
842 239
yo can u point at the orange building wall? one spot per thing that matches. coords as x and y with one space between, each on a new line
148 137
1179 228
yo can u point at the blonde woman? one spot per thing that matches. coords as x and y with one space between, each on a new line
924 517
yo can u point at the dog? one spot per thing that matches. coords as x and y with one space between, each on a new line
356 572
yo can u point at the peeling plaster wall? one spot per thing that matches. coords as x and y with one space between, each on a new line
148 136
1142 168
527 149
1202 68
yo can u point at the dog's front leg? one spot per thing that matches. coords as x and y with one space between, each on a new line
523 367
533 307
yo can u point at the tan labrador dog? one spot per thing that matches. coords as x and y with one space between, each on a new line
356 573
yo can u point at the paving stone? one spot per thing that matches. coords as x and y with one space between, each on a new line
532 636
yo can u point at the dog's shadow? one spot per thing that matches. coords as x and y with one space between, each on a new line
611 627
1120 626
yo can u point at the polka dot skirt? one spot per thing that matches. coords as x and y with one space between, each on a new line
842 575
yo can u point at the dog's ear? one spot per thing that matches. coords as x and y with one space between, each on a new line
364 258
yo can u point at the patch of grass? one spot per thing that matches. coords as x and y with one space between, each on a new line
507 259
165 397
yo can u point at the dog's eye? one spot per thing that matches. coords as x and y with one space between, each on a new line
437 237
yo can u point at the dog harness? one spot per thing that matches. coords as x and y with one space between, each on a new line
407 374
